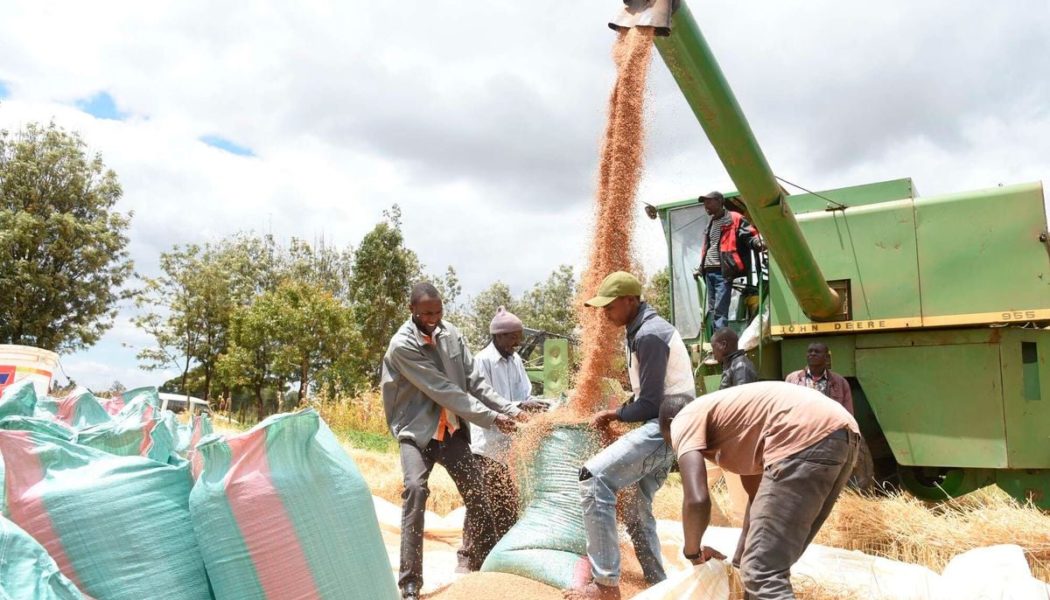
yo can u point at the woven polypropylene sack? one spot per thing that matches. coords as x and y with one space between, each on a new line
549 539
118 526
131 435
26 570
46 426
282 513
18 400
79 409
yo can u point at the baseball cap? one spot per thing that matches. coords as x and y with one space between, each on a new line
711 196
615 285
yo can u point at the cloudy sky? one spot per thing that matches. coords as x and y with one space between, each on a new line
482 119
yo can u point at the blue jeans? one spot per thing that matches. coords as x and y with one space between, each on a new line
718 296
640 459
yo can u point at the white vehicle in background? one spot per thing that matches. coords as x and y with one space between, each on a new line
177 403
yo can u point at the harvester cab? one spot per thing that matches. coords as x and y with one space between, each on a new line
936 308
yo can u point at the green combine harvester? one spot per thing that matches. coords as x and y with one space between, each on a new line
936 309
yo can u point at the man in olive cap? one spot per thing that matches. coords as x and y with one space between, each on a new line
659 368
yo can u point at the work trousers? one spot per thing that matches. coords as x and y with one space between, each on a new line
793 500
719 294
639 462
500 498
416 464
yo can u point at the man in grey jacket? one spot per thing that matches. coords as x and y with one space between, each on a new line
430 392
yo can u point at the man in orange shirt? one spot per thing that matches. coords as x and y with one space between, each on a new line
430 392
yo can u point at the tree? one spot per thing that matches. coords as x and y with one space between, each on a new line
383 273
252 358
188 308
549 304
657 293
319 265
63 249
315 332
116 388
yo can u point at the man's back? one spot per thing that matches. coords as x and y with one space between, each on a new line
745 427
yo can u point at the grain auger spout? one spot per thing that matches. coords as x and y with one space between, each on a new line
694 67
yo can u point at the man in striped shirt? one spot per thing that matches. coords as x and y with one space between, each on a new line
725 255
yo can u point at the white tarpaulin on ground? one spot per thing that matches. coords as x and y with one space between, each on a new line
991 573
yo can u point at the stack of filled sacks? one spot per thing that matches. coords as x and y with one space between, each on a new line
118 527
281 513
101 507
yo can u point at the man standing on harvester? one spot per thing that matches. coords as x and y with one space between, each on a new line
430 392
659 369
794 450
726 255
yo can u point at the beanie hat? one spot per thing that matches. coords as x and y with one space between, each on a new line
505 322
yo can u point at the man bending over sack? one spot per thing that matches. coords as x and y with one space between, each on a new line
659 369
794 449
430 390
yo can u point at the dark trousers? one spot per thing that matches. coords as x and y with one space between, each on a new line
794 499
501 502
416 464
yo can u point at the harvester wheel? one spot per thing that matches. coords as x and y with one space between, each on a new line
941 483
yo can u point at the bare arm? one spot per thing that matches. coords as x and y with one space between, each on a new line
696 507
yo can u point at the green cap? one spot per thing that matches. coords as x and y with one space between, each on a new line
615 285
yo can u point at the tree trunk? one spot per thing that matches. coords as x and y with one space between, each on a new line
259 408
207 384
304 383
185 374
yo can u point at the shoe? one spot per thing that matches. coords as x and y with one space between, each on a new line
410 592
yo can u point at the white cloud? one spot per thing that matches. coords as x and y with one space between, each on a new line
482 120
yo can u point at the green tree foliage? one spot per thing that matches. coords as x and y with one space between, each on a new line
253 358
316 336
63 257
188 308
657 293
383 273
549 304
320 265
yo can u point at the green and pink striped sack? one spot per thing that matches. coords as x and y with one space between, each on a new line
18 400
282 513
117 526
79 409
131 434
27 571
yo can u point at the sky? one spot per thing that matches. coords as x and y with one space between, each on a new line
482 120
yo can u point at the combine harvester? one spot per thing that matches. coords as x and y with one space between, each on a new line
935 308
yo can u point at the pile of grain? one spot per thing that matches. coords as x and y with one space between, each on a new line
478 586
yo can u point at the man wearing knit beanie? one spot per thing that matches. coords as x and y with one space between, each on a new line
503 369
